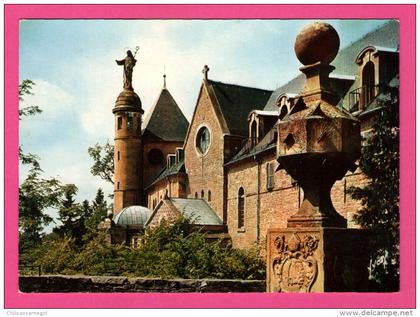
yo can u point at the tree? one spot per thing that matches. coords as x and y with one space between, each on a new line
72 215
98 212
103 161
380 198
36 194
25 88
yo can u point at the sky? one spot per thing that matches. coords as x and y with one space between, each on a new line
77 80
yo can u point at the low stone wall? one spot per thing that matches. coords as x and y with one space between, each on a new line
111 284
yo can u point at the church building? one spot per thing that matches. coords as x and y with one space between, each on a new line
220 169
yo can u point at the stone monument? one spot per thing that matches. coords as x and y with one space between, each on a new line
317 144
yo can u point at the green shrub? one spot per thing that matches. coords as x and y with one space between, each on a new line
170 250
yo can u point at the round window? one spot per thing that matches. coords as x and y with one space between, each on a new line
203 140
155 156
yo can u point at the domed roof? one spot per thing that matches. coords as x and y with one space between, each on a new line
133 215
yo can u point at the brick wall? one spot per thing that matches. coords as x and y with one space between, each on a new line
206 171
127 180
268 207
175 187
277 204
151 170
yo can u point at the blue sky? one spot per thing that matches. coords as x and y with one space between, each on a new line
77 80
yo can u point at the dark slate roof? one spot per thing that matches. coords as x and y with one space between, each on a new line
173 170
133 215
292 87
268 143
197 210
165 121
384 36
236 102
387 35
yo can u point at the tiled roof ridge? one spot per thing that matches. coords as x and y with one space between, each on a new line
237 85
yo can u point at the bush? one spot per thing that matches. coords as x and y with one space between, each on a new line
170 250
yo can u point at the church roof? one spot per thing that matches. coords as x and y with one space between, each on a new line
165 121
177 168
267 143
386 36
236 102
133 215
197 210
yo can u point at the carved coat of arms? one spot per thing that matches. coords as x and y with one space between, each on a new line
294 267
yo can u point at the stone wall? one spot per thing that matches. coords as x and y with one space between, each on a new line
270 208
111 284
174 186
205 170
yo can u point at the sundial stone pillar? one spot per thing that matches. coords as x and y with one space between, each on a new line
317 144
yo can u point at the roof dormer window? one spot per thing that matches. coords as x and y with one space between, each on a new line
171 160
254 133
377 66
285 103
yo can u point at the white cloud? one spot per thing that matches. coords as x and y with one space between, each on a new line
52 99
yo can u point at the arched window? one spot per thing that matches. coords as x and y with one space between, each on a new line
209 195
283 112
196 195
253 133
368 83
241 207
129 121
155 157
202 194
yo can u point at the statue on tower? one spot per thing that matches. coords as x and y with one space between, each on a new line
128 62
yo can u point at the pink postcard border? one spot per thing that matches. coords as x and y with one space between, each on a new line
403 299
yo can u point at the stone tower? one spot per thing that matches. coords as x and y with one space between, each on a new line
128 184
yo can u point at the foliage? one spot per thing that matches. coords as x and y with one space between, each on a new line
56 255
103 161
25 88
72 215
174 250
169 250
97 212
380 198
36 194
100 258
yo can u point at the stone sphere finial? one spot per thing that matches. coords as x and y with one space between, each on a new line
317 42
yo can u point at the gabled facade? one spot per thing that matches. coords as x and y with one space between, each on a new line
214 136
